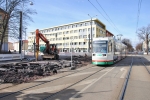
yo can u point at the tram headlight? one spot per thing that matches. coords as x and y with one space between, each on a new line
104 54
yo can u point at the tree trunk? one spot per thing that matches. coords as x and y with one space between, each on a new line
2 38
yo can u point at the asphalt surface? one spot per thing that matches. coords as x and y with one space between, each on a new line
87 83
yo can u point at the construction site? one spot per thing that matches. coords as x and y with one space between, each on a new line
22 72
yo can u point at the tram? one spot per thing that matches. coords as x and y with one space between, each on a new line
107 50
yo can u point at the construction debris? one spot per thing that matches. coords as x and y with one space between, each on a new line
26 72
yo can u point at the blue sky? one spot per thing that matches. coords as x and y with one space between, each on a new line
123 13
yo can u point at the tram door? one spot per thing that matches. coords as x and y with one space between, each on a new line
110 50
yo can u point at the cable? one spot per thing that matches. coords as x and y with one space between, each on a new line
107 16
138 14
102 15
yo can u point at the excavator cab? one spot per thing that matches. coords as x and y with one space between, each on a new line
52 51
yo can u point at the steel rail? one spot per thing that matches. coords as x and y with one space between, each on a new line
126 82
50 96
146 67
42 83
53 80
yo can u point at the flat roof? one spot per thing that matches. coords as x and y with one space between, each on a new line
95 19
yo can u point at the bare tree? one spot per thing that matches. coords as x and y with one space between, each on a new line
127 42
11 17
143 34
139 47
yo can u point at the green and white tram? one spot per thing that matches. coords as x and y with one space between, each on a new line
107 50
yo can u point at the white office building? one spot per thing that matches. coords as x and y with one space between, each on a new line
76 32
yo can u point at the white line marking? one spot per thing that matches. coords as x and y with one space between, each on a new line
89 85
124 73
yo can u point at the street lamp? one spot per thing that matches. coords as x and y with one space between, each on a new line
64 43
91 33
71 53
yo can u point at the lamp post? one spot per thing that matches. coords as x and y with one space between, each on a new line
71 52
64 43
89 43
20 31
91 33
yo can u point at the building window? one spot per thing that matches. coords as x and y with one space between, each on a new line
93 35
93 28
80 30
80 37
75 31
84 43
84 36
67 38
101 31
71 37
71 31
67 32
75 37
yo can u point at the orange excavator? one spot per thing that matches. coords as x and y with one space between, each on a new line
50 52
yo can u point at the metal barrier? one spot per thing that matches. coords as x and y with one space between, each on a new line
5 57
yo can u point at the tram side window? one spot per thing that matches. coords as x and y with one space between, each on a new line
109 46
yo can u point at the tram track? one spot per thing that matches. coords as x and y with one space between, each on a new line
75 95
126 82
146 67
9 94
50 96
73 84
125 85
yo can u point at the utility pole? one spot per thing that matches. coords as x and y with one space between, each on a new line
91 34
89 43
20 35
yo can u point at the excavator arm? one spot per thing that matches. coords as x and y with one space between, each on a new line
40 36
48 49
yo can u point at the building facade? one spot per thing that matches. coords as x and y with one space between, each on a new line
24 45
73 35
10 46
5 40
144 48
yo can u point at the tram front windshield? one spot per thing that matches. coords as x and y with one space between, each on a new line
99 46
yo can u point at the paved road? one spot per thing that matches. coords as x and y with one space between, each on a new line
86 83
